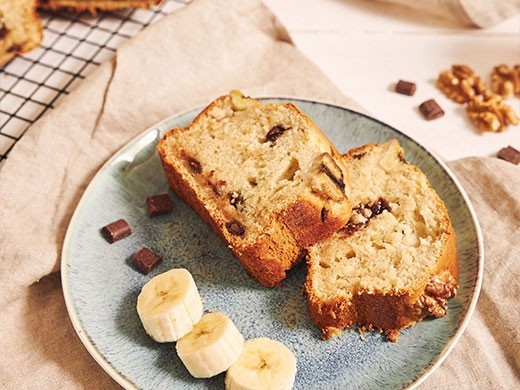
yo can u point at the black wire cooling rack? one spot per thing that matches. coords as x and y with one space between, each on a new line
73 44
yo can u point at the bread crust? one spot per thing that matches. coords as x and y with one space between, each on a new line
10 49
94 6
388 312
290 231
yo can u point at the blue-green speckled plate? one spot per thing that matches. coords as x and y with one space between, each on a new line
101 287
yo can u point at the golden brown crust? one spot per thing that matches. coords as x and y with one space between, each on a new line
291 230
33 32
387 312
93 6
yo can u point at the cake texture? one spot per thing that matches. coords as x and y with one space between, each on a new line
263 177
96 5
20 28
395 261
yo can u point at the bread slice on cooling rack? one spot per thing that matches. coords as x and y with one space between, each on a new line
263 177
20 28
395 261
96 5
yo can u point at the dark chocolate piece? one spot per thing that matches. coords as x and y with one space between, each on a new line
194 164
215 184
15 48
324 213
116 230
359 156
368 211
275 133
509 154
159 204
235 228
431 110
350 228
405 88
3 31
145 260
379 206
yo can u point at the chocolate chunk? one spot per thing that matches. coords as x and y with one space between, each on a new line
194 164
359 156
275 133
215 184
116 230
379 206
324 213
235 228
145 260
235 199
509 154
368 211
350 228
333 171
431 110
15 48
159 204
405 88
3 31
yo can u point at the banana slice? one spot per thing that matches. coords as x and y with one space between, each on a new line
169 305
211 347
265 364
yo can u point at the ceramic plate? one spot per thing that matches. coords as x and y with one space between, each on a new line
101 287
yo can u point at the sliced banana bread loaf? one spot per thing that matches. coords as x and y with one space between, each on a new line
395 261
263 177
20 28
96 5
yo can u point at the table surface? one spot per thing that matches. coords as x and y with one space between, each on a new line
364 47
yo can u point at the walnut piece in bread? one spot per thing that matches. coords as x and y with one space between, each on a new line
395 262
264 178
20 28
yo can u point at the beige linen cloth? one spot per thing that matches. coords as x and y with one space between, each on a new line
480 13
183 61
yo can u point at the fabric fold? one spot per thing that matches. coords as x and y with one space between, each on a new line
488 353
479 13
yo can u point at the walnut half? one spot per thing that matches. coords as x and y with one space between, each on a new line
505 81
489 113
434 300
460 83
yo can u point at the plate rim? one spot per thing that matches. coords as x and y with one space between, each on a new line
125 382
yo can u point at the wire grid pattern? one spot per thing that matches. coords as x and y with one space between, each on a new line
73 45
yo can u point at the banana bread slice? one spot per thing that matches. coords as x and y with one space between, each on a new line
395 261
20 28
264 178
96 5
